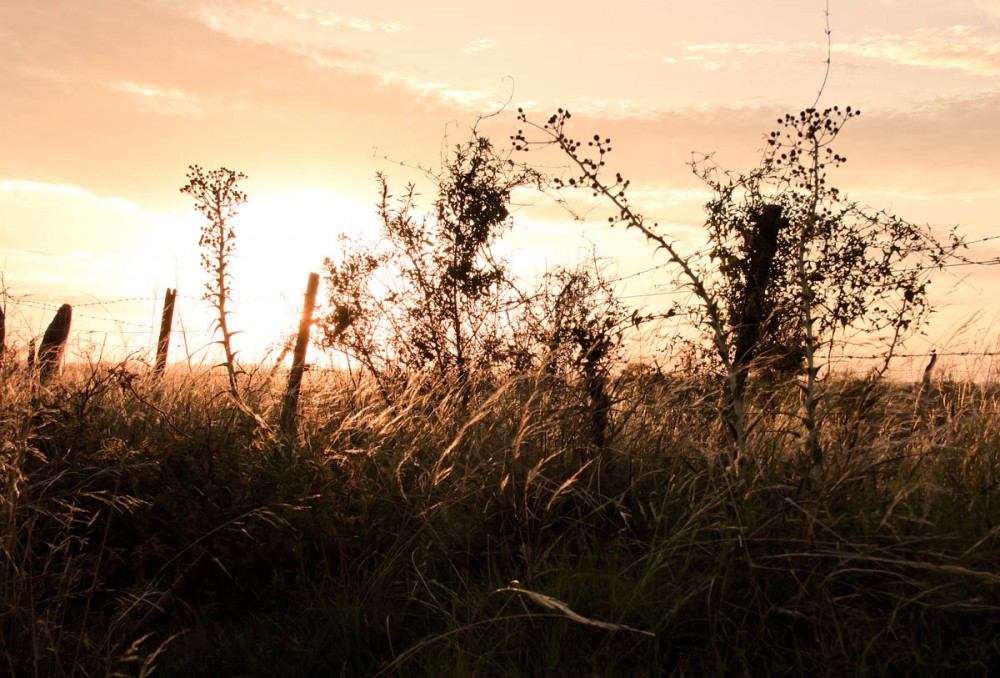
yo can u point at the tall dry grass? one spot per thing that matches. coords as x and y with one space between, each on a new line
161 525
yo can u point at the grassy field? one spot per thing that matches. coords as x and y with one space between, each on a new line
159 525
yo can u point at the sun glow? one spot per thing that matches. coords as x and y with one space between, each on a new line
281 238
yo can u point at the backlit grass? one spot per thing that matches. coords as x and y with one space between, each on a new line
385 539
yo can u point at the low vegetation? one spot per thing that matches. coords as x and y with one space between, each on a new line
390 541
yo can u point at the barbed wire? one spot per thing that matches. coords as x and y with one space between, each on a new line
114 301
54 307
125 329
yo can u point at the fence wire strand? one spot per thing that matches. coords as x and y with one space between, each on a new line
101 329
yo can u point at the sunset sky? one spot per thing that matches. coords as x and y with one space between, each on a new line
106 102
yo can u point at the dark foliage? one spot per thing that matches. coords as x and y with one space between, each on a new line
432 296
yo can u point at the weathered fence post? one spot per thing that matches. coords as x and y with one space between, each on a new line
928 392
54 341
31 354
166 322
3 333
299 359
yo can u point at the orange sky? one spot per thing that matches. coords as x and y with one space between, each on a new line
106 103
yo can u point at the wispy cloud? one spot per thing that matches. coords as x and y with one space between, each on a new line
749 47
610 109
480 45
737 56
961 48
659 198
412 83
169 101
13 186
716 56
471 99
317 34
329 19
468 99
933 194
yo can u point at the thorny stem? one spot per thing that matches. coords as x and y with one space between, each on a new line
735 417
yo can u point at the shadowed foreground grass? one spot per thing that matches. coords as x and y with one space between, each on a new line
158 525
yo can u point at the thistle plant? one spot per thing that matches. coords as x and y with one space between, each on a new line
217 196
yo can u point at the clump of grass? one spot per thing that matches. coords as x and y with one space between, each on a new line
159 524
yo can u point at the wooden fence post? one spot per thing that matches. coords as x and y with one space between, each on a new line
299 359
166 322
3 333
54 341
